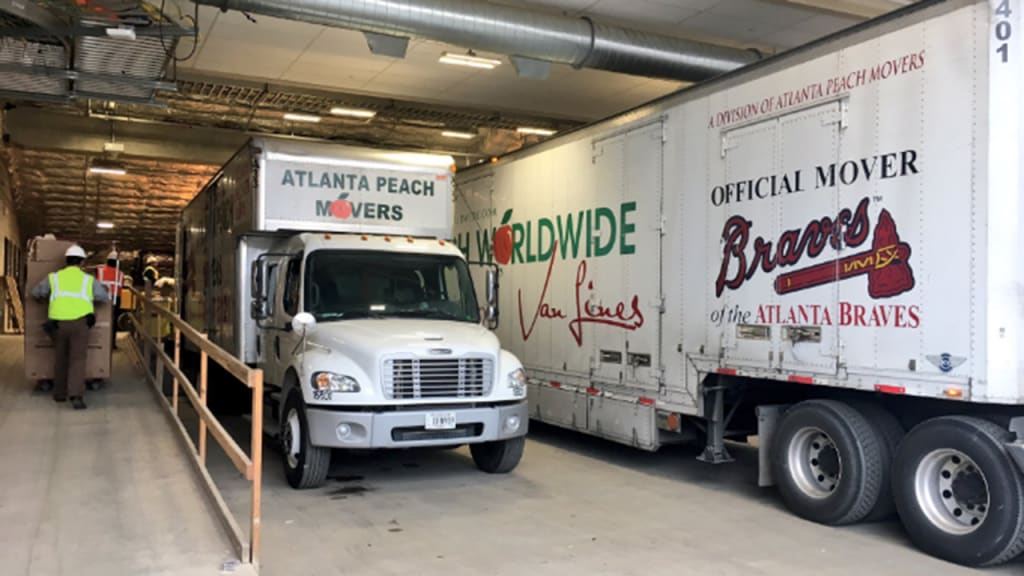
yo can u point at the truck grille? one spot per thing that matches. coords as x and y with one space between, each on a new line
407 378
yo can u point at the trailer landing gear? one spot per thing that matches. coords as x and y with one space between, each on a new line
714 449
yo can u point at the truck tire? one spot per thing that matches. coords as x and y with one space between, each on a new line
828 462
889 430
499 457
305 465
958 494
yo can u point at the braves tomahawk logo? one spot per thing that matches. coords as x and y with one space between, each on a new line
886 264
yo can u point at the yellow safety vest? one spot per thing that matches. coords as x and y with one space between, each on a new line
70 294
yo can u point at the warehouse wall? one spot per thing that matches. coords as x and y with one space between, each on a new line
12 250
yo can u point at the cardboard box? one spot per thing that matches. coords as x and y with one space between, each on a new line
46 256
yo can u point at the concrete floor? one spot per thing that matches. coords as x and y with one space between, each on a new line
102 492
107 492
576 505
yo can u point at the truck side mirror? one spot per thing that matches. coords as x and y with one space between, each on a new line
492 298
303 322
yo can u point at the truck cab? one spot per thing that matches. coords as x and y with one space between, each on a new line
379 342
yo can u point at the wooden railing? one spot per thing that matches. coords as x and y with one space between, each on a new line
146 345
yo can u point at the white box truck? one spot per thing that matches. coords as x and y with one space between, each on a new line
327 267
825 249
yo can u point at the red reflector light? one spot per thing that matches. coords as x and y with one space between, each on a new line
889 389
593 391
647 401
555 384
801 379
727 371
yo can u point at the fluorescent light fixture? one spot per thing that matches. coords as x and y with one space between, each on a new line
536 131
353 112
108 169
471 60
459 135
105 225
301 117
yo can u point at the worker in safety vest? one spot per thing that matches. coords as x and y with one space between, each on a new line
150 274
112 278
71 314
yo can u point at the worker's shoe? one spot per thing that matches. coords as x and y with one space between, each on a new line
60 397
77 403
44 386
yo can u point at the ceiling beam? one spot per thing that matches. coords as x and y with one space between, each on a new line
856 8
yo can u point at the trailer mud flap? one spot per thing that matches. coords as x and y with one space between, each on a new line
1016 452
623 421
559 406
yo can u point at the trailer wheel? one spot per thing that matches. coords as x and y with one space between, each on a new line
958 494
889 430
305 465
500 457
828 462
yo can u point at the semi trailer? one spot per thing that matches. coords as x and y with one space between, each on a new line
327 267
822 250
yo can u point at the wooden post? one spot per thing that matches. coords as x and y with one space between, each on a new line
256 381
202 398
177 364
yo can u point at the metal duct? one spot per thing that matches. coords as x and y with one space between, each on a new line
579 42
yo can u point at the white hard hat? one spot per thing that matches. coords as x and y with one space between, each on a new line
112 255
75 251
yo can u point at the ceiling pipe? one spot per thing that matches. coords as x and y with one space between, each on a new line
525 35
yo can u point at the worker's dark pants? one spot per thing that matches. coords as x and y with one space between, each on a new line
72 342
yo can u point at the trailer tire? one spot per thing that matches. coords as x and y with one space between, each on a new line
500 457
828 462
305 465
890 432
943 469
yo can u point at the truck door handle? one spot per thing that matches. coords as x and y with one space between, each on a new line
277 347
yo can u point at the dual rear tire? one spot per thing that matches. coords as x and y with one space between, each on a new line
958 495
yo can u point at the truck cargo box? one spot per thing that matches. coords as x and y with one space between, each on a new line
275 187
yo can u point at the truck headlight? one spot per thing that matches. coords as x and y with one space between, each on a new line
517 382
334 382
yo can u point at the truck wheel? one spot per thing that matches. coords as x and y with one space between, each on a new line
889 430
958 494
828 462
305 465
499 457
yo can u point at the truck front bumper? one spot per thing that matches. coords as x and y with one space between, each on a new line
407 429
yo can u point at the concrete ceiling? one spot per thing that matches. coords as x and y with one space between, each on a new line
276 50
243 75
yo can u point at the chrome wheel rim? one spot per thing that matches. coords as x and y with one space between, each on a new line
814 463
952 491
290 437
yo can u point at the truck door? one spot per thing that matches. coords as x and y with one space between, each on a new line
280 340
619 291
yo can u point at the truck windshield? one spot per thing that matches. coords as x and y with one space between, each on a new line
346 285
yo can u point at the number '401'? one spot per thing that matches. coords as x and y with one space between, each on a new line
1004 30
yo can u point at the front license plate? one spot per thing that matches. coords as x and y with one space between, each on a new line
440 421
